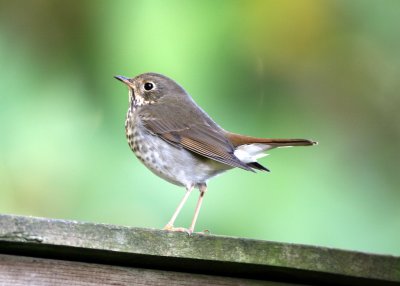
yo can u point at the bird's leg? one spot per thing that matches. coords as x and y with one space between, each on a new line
170 224
202 189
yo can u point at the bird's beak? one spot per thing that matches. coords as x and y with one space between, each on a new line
124 80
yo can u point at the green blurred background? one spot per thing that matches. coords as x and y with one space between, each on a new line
323 70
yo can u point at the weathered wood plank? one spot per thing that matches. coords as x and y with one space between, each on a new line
21 271
210 254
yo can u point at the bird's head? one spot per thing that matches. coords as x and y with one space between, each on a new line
150 88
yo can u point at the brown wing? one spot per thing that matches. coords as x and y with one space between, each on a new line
197 134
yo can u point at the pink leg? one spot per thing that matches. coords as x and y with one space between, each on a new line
202 189
170 224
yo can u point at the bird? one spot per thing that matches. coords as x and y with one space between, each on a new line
179 142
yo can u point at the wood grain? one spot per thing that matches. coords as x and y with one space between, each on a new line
21 271
201 254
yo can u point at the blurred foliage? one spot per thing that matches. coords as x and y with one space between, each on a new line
325 70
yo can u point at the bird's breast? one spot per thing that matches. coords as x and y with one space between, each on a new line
174 164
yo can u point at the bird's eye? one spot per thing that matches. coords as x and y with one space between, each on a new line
148 86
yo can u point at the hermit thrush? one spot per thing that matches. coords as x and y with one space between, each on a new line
179 142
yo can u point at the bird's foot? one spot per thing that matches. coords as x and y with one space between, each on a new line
204 232
170 227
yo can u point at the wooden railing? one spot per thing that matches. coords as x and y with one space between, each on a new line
39 251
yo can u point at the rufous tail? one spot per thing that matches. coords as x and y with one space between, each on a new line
237 140
249 149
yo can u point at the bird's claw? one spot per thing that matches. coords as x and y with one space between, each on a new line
170 227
